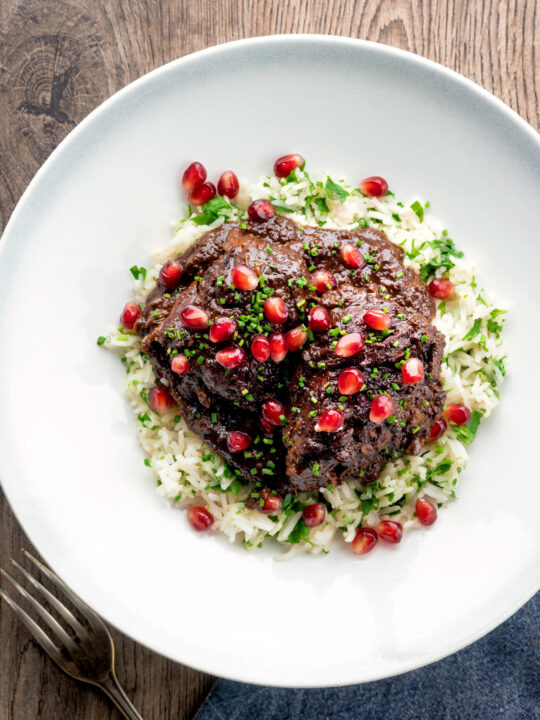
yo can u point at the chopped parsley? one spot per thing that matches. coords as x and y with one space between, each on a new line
418 210
217 207
495 327
447 251
298 533
322 206
473 332
236 486
499 364
466 433
138 272
443 467
414 252
335 191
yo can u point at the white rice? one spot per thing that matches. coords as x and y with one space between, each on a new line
188 472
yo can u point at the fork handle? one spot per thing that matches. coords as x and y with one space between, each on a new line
112 688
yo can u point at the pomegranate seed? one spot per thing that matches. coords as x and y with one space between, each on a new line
244 278
323 280
350 381
319 319
413 371
180 364
170 274
202 194
284 166
194 317
278 347
271 504
296 337
260 348
314 515
381 408
351 256
390 531
349 345
159 399
377 319
231 357
374 186
441 289
193 177
437 429
272 412
275 310
260 211
238 441
200 518
228 185
330 421
426 511
223 328
130 314
364 541
267 426
457 414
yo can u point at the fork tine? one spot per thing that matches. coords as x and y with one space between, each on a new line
56 604
44 614
93 619
34 629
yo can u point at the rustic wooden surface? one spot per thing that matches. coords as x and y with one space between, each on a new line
61 58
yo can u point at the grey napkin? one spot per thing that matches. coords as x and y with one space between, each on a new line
496 677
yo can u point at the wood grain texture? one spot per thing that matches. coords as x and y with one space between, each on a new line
58 60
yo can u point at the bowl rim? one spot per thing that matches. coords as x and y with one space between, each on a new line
389 50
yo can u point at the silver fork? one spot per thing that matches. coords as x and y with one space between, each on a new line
87 653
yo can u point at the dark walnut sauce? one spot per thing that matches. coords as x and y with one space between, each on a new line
295 456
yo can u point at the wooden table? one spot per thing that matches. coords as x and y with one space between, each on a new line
61 58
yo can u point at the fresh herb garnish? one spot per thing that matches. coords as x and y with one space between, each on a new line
335 191
447 251
418 209
298 533
322 205
466 433
473 332
138 272
217 207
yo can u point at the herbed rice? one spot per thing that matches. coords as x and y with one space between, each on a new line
188 472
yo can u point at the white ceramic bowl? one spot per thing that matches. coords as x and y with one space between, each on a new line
69 460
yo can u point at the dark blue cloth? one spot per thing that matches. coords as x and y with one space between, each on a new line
496 677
